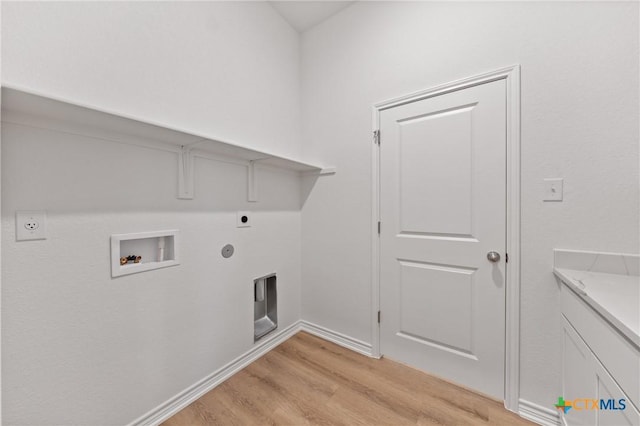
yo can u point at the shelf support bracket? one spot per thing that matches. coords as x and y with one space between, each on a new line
185 174
252 182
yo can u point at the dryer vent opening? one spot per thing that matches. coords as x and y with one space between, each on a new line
265 306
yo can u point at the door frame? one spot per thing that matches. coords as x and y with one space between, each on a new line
511 75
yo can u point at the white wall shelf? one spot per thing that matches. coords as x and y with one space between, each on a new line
158 249
28 108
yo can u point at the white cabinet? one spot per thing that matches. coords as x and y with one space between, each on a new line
596 395
608 390
578 378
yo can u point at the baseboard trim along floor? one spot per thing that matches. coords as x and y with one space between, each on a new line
527 410
172 406
186 397
337 338
538 414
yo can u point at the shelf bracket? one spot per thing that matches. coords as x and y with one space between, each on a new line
252 182
185 174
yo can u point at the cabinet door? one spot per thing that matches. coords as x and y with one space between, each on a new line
609 391
578 377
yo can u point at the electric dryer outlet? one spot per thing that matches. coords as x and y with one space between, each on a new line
31 225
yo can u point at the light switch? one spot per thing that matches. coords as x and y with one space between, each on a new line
553 189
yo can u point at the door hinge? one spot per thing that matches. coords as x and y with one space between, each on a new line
379 226
506 258
378 317
376 137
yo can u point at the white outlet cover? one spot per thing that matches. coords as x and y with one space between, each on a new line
31 225
243 220
553 189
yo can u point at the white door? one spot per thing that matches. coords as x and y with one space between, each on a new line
442 211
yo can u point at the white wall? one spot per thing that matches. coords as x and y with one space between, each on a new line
76 344
80 347
226 69
579 121
0 234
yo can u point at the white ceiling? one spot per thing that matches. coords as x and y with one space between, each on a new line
303 15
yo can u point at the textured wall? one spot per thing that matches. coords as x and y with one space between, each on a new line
74 337
77 343
227 69
579 121
78 346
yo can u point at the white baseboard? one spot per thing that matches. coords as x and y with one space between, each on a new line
528 410
172 406
337 338
538 414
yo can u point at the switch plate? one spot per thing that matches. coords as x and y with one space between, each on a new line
244 220
553 189
31 225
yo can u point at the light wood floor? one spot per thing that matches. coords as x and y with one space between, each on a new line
309 381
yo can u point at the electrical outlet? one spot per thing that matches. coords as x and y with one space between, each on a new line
244 220
31 225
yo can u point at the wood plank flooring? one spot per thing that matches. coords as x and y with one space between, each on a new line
309 381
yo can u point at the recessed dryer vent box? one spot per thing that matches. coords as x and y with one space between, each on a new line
265 306
146 251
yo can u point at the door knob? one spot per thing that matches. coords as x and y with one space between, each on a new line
493 256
